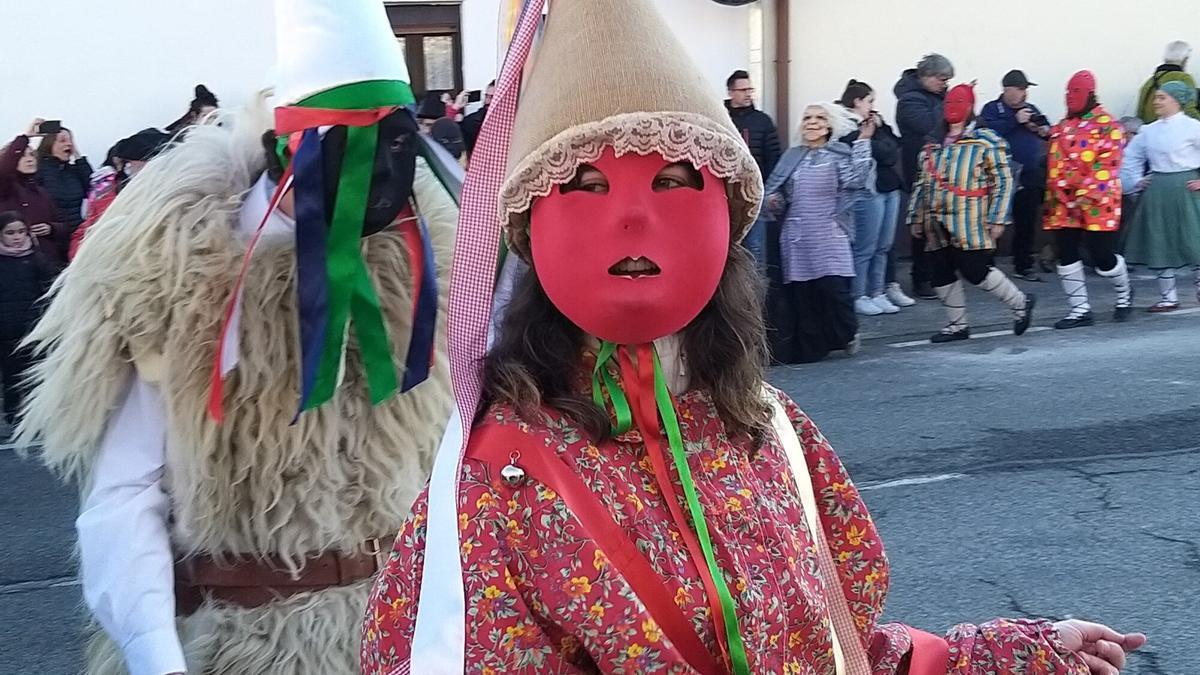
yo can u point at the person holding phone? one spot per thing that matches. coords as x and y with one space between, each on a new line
876 208
1027 132
64 173
472 124
20 191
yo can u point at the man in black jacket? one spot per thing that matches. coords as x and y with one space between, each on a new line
759 132
473 123
920 95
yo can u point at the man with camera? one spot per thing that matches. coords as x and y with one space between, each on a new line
1026 129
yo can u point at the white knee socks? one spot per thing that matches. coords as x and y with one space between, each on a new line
1005 291
954 299
1166 287
1075 287
1119 276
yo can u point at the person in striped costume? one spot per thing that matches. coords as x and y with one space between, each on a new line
960 207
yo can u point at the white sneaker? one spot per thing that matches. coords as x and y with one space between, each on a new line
866 307
896 296
884 304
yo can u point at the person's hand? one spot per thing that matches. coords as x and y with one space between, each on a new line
1101 648
774 201
995 230
33 127
867 130
464 97
1024 115
1194 185
41 229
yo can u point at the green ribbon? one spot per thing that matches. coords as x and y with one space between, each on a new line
666 409
733 633
620 404
352 296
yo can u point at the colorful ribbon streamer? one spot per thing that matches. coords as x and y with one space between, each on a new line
312 287
651 402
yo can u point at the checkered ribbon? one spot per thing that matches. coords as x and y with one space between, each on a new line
477 247
850 655
438 639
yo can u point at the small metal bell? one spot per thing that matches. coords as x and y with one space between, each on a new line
512 473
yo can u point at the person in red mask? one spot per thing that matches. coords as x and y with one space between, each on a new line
623 493
960 207
1083 202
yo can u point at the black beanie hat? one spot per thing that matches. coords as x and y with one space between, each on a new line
141 146
204 98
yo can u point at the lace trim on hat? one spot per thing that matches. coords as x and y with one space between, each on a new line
678 137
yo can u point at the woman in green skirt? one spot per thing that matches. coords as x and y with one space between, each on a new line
1165 233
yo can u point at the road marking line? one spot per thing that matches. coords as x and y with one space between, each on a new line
39 585
919 480
980 336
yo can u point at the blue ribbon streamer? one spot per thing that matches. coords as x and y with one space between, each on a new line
420 349
312 283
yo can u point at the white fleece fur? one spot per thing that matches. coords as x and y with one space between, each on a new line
149 287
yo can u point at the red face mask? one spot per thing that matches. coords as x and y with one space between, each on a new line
638 262
1080 90
960 103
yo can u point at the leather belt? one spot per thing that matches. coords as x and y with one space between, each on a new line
255 582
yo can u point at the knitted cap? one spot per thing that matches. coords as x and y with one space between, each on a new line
1179 91
613 74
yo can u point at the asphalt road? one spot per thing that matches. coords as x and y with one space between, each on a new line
1055 475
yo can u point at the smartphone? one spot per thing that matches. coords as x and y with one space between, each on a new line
474 96
50 127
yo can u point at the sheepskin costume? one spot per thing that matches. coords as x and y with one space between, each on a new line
148 292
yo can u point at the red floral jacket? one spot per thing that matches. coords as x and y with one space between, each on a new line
542 598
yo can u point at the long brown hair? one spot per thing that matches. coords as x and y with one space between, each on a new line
45 149
536 359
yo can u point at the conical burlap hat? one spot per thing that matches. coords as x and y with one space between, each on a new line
611 73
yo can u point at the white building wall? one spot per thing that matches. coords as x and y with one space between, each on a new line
875 40
108 69
716 36
122 65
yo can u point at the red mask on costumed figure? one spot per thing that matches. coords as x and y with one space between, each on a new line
638 262
1080 90
960 103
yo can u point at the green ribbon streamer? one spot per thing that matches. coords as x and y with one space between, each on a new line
733 633
620 404
666 409
352 295
363 95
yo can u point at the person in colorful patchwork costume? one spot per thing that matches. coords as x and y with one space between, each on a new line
224 361
1083 202
631 497
960 206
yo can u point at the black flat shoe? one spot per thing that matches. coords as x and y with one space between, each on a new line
1021 325
1123 314
1076 322
924 290
956 336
